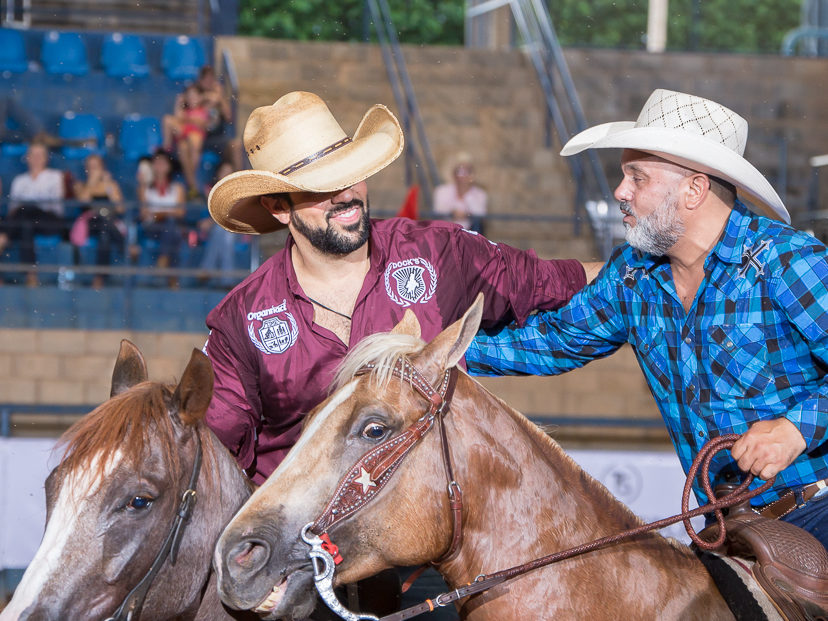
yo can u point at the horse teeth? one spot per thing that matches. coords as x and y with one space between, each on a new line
269 602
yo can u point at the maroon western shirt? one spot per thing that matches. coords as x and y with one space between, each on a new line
273 364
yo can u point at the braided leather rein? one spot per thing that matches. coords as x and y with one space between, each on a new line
486 581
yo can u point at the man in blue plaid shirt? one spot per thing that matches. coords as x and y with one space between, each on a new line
726 310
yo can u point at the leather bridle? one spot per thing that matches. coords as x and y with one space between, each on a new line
368 476
373 471
130 608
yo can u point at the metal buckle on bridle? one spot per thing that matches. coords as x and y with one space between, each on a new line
323 572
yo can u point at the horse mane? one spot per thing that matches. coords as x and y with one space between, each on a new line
122 424
383 350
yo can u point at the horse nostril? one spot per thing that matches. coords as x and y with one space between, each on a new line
248 557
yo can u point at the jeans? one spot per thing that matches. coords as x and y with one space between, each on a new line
813 517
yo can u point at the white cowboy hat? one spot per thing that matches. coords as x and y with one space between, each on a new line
693 132
296 145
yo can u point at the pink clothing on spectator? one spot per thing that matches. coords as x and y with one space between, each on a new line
273 365
472 203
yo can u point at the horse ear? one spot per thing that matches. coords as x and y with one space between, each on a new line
194 391
130 369
450 345
408 325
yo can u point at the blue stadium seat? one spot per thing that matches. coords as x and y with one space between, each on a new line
81 127
139 136
64 53
124 56
12 51
182 57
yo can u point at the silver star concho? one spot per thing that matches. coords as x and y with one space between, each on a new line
365 480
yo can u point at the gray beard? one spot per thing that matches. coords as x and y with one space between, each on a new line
657 232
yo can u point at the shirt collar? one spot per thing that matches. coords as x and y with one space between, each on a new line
729 247
376 253
732 242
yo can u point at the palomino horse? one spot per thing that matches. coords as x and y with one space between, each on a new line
113 500
522 498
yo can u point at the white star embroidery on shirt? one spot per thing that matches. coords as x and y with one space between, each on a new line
365 480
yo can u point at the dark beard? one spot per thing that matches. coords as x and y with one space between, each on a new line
329 240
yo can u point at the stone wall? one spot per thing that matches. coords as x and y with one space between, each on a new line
74 367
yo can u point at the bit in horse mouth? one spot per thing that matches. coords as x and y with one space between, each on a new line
273 598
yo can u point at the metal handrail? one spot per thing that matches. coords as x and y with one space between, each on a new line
546 55
418 151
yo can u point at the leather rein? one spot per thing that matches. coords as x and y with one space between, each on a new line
373 471
130 608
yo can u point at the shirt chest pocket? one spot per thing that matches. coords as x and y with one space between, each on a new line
652 350
736 358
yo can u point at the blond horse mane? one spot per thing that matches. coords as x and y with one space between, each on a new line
383 350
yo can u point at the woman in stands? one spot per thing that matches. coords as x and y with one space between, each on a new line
162 203
187 128
100 219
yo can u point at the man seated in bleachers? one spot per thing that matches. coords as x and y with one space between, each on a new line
35 206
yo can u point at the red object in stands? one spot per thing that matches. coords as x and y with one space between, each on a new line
409 206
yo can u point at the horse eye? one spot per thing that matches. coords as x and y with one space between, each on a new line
374 431
139 502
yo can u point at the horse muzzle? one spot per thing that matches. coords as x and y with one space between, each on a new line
253 574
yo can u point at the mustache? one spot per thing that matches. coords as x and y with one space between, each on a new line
626 209
341 207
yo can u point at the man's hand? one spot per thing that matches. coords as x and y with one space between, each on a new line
768 447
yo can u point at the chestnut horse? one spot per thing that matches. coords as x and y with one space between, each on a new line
522 497
113 499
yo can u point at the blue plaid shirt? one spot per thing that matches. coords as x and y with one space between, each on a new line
753 346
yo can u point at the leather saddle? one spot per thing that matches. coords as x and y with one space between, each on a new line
791 565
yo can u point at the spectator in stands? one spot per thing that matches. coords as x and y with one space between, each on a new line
219 249
219 138
186 128
462 199
162 208
101 217
36 205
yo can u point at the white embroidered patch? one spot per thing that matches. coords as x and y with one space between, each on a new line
410 281
275 334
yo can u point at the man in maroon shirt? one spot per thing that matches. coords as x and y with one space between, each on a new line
277 338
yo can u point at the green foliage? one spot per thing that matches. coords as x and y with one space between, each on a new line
417 21
703 25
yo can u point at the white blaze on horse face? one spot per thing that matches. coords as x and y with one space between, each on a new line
299 449
75 491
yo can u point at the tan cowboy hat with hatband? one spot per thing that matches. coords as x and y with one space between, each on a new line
693 132
296 145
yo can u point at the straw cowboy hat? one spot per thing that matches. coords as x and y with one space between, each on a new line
692 132
296 145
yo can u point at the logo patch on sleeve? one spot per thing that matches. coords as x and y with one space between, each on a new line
270 332
412 281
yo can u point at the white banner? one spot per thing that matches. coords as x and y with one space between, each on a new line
650 483
24 465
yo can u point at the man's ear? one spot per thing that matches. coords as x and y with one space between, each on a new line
277 206
698 187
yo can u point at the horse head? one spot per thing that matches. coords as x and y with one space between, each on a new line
114 496
261 560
